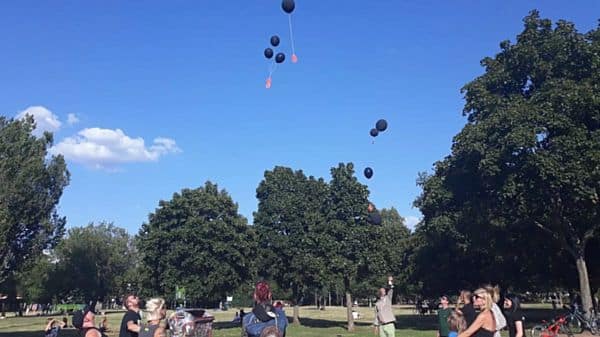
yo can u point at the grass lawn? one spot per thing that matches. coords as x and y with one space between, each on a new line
315 323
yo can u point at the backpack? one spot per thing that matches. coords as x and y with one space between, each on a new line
254 327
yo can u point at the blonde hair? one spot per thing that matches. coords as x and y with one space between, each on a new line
487 298
456 322
493 291
153 308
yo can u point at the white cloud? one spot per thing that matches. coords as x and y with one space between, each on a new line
411 221
45 119
72 119
107 148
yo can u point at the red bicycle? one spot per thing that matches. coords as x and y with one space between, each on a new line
552 329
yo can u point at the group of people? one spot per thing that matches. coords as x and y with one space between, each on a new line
478 314
131 324
265 320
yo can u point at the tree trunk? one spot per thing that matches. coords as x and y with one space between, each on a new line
349 311
296 320
584 286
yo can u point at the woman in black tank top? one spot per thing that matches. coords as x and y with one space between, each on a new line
485 324
156 312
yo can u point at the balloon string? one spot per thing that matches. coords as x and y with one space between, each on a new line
291 33
272 68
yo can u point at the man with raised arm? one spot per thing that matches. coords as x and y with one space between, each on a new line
384 316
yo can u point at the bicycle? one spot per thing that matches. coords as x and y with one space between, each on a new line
577 321
552 329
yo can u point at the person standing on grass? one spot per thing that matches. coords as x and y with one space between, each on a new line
514 316
157 311
485 324
130 325
384 316
443 314
467 309
456 323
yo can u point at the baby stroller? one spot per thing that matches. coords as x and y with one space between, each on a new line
190 323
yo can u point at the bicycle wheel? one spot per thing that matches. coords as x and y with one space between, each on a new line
565 330
594 328
574 324
536 331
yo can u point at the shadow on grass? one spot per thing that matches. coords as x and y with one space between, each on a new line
224 325
417 322
63 333
414 322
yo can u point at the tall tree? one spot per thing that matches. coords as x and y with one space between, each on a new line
92 261
289 211
529 157
39 284
345 238
31 184
394 240
199 241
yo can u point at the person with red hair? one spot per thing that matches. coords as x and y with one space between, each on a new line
265 319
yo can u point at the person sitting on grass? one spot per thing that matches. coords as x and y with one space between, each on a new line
53 327
265 319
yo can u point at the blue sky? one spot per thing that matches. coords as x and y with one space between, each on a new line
147 98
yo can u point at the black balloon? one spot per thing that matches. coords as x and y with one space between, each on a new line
374 218
288 6
268 53
280 57
373 132
274 40
381 125
368 172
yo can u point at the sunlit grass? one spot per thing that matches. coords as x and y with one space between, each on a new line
315 323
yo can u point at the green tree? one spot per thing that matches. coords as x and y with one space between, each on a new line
31 184
197 240
345 238
289 210
38 283
529 157
92 262
394 241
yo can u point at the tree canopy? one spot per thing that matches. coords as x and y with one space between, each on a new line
289 213
526 166
93 262
199 241
31 184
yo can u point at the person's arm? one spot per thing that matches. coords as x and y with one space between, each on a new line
473 327
49 325
519 327
376 321
160 332
131 326
390 292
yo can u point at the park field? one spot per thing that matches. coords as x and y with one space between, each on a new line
315 323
